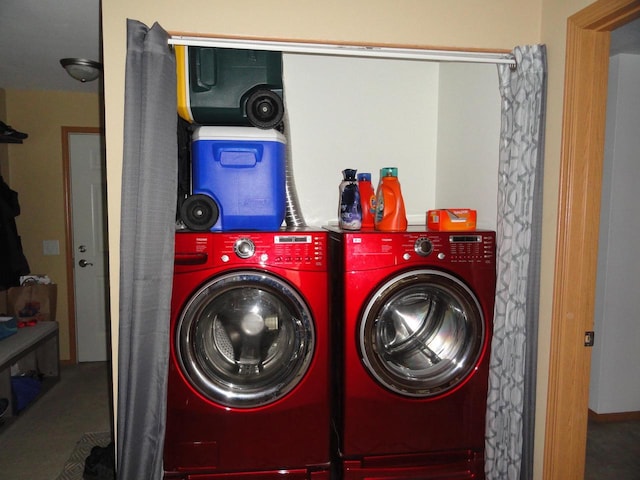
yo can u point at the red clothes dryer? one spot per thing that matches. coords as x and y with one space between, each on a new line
414 315
248 388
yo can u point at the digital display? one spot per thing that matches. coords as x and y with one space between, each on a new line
293 239
465 239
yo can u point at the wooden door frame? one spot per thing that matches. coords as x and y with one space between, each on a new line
68 221
583 131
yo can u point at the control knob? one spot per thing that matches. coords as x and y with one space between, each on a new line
423 246
244 248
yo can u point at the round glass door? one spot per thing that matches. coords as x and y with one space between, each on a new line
422 333
245 339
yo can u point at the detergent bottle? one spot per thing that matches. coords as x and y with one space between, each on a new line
390 213
349 210
367 199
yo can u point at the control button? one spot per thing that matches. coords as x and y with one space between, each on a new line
244 248
224 258
441 256
423 246
264 257
406 256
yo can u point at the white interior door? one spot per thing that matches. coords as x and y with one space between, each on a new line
88 187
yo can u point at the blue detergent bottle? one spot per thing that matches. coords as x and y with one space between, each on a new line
349 210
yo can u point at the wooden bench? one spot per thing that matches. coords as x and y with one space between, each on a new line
31 349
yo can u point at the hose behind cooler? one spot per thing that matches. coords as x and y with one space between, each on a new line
293 212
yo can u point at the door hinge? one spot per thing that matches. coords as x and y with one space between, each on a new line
589 338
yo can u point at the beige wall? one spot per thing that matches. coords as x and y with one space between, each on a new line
553 34
35 172
491 24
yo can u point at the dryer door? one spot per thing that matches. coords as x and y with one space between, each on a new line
245 339
422 333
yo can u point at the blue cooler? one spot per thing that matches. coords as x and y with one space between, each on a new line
238 179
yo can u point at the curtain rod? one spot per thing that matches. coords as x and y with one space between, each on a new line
348 50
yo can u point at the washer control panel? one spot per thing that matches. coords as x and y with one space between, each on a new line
296 249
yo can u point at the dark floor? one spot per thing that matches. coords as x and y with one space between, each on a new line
38 443
613 451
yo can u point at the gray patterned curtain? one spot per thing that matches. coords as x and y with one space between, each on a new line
512 374
149 185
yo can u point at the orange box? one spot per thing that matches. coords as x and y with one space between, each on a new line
451 219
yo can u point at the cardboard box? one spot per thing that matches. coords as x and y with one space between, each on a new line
451 219
33 302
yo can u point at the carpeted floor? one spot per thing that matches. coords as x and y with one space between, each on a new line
613 451
38 443
74 467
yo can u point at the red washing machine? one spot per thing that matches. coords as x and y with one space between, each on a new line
414 313
248 388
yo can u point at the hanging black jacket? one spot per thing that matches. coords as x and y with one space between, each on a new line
13 263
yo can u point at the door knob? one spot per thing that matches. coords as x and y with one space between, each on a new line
83 263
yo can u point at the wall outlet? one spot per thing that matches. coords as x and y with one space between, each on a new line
51 247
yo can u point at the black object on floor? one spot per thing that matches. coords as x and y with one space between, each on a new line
100 464
11 135
4 406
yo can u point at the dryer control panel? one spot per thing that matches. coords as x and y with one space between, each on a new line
456 248
371 249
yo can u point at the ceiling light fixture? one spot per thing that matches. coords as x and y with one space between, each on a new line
81 69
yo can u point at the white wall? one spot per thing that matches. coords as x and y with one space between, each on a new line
438 123
468 140
615 377
360 113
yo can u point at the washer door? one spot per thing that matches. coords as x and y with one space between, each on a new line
422 333
245 339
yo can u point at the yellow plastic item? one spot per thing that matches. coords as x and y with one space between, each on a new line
182 67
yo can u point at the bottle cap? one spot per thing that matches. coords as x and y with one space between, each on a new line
349 174
389 172
364 177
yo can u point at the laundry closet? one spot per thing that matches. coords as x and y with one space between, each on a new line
263 323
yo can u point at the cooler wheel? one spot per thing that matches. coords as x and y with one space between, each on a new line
199 212
265 109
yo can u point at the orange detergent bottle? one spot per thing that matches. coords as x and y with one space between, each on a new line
367 199
390 213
